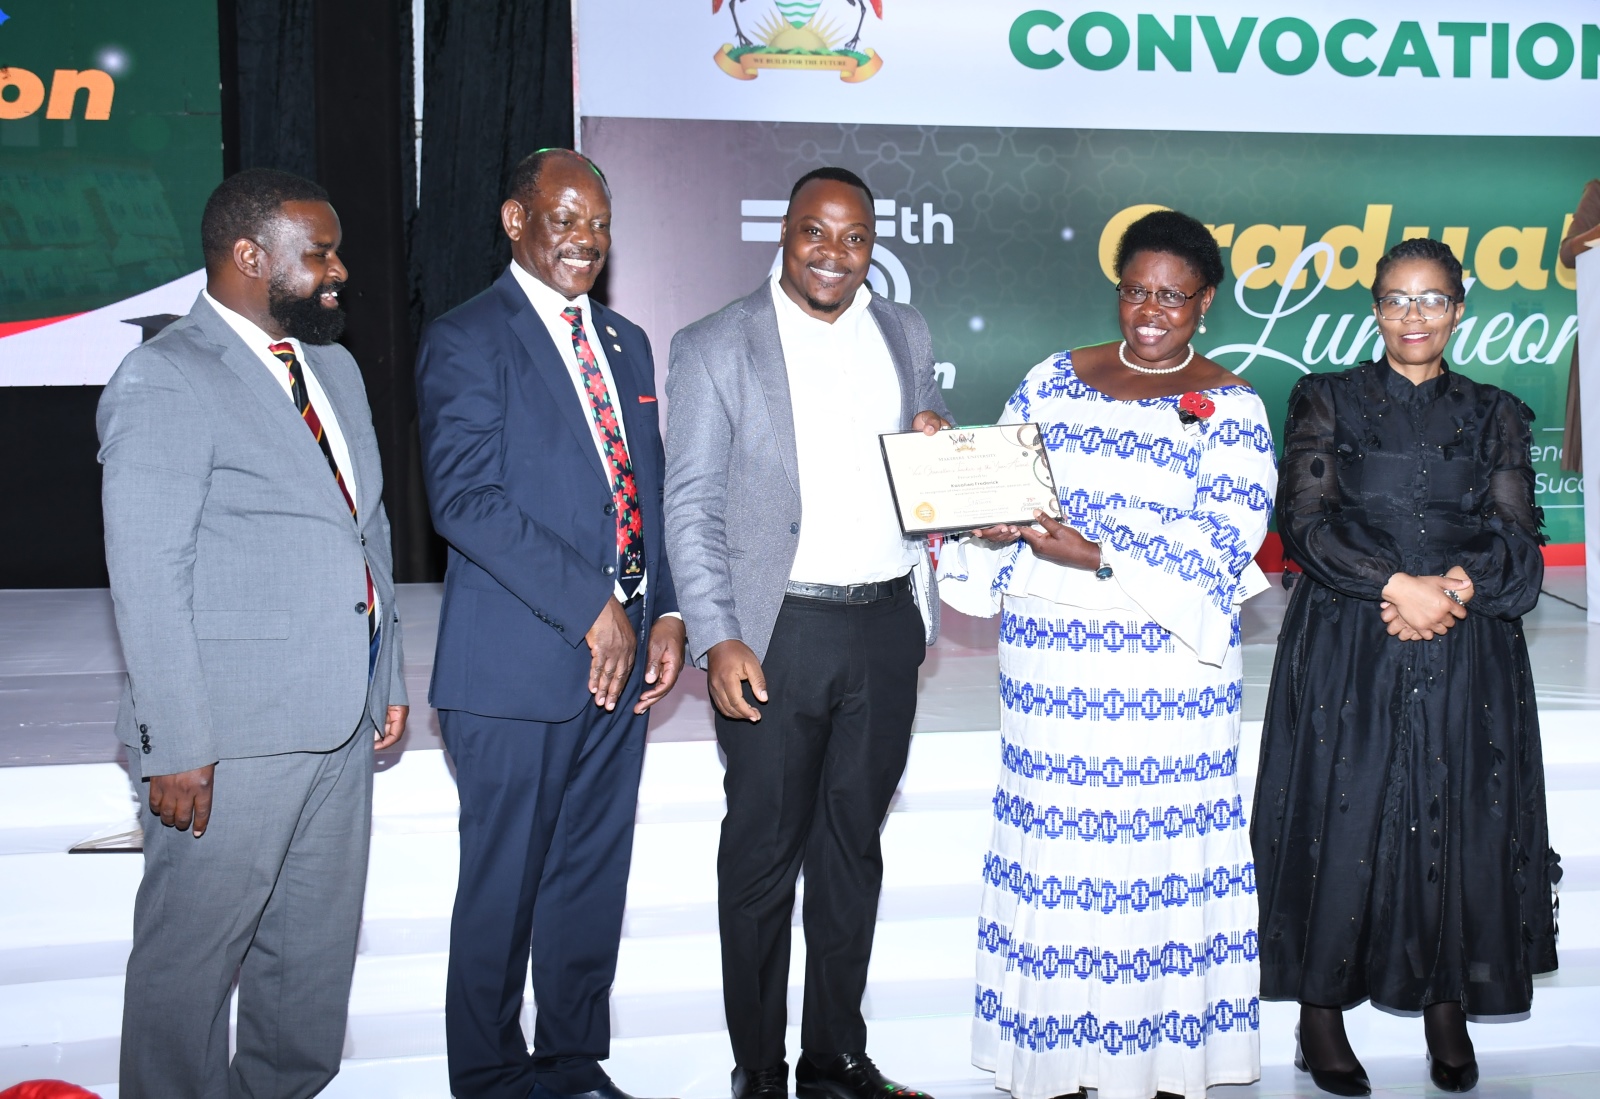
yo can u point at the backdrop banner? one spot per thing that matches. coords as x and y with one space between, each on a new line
1589 326
1009 144
110 141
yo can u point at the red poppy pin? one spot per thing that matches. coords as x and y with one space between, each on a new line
1193 407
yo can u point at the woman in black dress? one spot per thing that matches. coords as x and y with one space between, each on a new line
1400 837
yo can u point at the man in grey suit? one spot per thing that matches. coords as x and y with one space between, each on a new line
801 597
251 573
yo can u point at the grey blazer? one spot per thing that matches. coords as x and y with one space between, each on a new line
236 567
733 482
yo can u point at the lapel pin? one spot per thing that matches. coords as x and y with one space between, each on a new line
610 331
617 347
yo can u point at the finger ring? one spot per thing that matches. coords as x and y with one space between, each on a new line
1451 594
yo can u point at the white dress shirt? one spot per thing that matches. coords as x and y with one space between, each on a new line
259 342
844 393
547 305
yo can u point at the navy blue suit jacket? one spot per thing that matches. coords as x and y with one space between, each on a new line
517 488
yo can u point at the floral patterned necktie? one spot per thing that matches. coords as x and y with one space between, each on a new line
624 490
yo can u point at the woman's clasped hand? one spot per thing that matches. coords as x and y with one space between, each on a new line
1420 608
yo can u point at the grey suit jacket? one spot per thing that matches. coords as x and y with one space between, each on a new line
236 567
733 481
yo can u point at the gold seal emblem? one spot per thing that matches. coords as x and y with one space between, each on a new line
924 511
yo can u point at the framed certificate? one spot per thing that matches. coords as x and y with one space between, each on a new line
967 477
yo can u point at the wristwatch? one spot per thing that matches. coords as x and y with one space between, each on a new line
1104 571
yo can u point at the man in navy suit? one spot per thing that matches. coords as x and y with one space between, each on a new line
558 632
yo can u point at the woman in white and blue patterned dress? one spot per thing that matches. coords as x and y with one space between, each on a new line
1117 939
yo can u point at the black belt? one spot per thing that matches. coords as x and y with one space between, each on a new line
850 593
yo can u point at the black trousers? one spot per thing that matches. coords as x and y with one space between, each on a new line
547 816
808 786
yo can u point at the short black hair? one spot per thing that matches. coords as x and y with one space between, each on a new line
836 175
245 205
1174 234
1434 251
525 176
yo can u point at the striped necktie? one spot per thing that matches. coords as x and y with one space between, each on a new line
284 353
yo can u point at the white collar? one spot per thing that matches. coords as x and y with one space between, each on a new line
247 329
852 312
546 301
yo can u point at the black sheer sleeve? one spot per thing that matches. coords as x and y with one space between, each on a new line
1503 558
1315 522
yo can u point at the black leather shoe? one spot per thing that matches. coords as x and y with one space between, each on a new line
608 1090
848 1076
1337 1082
764 1083
1453 1077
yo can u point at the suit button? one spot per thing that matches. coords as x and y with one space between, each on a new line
611 509
610 570
144 728
794 528
361 608
363 539
146 749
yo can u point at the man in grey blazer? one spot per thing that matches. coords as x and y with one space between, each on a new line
801 597
251 573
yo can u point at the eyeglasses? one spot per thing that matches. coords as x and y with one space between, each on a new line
1167 299
1431 306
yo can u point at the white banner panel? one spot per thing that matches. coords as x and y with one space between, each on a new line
1473 67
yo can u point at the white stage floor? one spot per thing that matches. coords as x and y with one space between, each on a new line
65 919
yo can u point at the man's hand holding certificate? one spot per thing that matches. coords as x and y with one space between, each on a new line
964 478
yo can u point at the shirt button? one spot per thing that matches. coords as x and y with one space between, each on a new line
361 608
794 528
610 570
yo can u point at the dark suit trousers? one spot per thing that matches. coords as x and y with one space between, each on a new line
809 786
546 837
271 893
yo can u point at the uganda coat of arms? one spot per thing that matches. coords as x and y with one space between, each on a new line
792 35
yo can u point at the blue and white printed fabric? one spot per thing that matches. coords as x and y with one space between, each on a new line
1117 945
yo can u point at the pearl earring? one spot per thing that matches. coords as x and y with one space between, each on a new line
1202 324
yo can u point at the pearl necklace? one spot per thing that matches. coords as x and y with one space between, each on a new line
1122 353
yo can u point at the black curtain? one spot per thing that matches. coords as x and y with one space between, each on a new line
269 92
497 84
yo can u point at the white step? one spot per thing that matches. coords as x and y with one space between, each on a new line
65 919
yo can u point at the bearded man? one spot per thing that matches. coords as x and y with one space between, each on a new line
251 573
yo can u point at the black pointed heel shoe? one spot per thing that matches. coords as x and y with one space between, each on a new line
1453 1077
1342 1082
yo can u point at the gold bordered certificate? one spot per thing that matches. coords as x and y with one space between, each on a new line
967 477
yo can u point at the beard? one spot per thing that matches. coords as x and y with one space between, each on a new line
305 319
